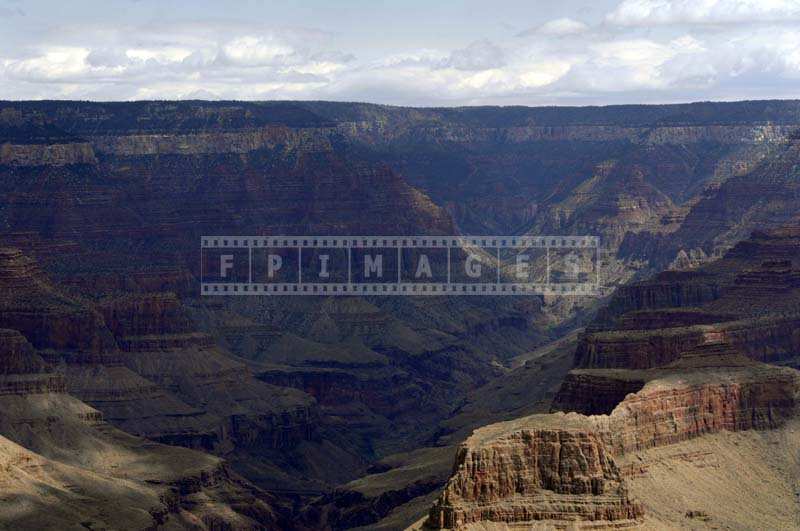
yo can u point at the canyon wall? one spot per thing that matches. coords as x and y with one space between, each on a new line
562 468
647 378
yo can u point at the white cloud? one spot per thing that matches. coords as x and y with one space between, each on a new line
557 27
480 55
561 61
543 73
163 55
256 51
658 12
54 63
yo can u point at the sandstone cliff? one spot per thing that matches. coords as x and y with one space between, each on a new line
565 468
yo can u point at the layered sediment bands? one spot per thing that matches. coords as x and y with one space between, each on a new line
48 319
773 245
122 210
635 349
144 315
748 298
479 161
46 154
29 384
194 398
64 465
534 474
274 169
665 414
244 141
167 173
177 386
671 360
767 339
772 277
171 279
170 382
669 289
770 340
726 134
152 322
561 467
75 339
594 392
669 318
142 407
22 370
16 270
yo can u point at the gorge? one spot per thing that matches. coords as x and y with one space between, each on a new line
332 413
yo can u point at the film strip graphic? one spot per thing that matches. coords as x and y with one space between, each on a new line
400 265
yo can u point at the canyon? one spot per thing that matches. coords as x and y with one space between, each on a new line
655 400
343 413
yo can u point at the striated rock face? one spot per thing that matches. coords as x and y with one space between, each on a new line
46 154
193 394
594 393
669 318
608 171
669 289
748 297
635 349
151 322
531 475
768 339
22 369
139 360
143 315
750 397
562 468
47 318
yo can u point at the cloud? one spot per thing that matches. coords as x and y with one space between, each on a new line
557 27
55 63
256 51
561 61
661 12
480 55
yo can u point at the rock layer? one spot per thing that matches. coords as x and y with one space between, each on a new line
562 468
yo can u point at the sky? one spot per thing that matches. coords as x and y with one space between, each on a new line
418 53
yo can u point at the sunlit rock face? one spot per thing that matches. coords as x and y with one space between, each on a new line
565 469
